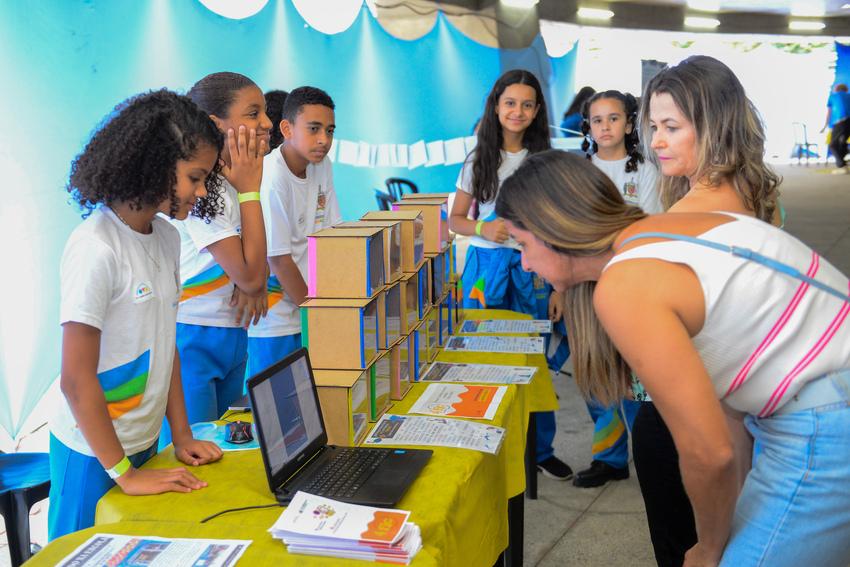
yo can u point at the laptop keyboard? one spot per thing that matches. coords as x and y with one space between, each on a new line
346 473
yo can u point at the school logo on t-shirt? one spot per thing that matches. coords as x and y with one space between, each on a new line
320 207
630 189
143 293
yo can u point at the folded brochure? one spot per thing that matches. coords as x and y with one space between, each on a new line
315 525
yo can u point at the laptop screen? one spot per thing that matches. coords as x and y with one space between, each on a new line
288 416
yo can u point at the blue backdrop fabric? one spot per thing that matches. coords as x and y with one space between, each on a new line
842 64
65 65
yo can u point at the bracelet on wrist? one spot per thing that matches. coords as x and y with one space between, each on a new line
119 469
252 196
478 227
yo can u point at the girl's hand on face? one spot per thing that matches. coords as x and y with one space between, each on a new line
495 231
246 160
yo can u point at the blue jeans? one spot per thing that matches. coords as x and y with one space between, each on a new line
794 508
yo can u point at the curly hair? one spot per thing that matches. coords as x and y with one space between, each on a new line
487 156
630 109
303 96
133 154
728 129
274 110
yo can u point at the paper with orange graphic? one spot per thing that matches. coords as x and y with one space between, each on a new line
459 400
385 526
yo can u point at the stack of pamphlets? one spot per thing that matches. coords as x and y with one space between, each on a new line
314 525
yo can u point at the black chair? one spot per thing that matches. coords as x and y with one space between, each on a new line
24 480
384 200
802 146
396 187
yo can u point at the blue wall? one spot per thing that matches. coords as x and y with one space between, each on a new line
65 65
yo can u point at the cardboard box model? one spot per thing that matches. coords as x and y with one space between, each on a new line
412 235
381 381
436 220
345 263
458 293
410 302
444 208
437 326
447 325
392 245
438 276
425 284
419 340
343 334
429 331
395 312
344 397
408 369
452 264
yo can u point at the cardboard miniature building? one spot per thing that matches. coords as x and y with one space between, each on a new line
344 334
344 397
346 263
393 249
435 216
412 235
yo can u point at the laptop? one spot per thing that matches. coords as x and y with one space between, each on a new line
294 444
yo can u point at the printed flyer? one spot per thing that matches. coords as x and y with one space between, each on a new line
421 430
457 400
506 326
478 373
516 345
112 550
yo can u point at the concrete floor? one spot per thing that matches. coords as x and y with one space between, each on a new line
606 526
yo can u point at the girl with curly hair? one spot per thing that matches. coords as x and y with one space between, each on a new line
223 260
157 153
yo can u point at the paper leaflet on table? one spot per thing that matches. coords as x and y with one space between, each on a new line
421 430
118 550
478 373
316 525
506 326
457 400
517 345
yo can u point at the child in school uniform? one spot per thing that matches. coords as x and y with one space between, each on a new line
223 261
298 199
120 280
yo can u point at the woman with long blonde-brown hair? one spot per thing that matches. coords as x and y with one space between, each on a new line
709 325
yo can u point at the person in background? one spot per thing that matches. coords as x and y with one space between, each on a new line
610 127
572 116
705 331
274 110
838 121
156 153
513 126
299 199
223 260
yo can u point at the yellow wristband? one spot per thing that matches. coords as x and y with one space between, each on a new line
245 197
478 227
119 469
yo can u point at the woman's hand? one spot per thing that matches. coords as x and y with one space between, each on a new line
246 160
495 231
249 306
556 306
137 482
698 556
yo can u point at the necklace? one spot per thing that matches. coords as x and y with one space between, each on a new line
139 240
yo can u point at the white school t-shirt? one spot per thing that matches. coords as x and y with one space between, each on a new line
293 208
109 282
638 188
486 211
207 290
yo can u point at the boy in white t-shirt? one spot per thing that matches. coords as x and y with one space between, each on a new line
298 199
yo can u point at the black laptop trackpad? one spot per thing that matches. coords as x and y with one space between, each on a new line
389 477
